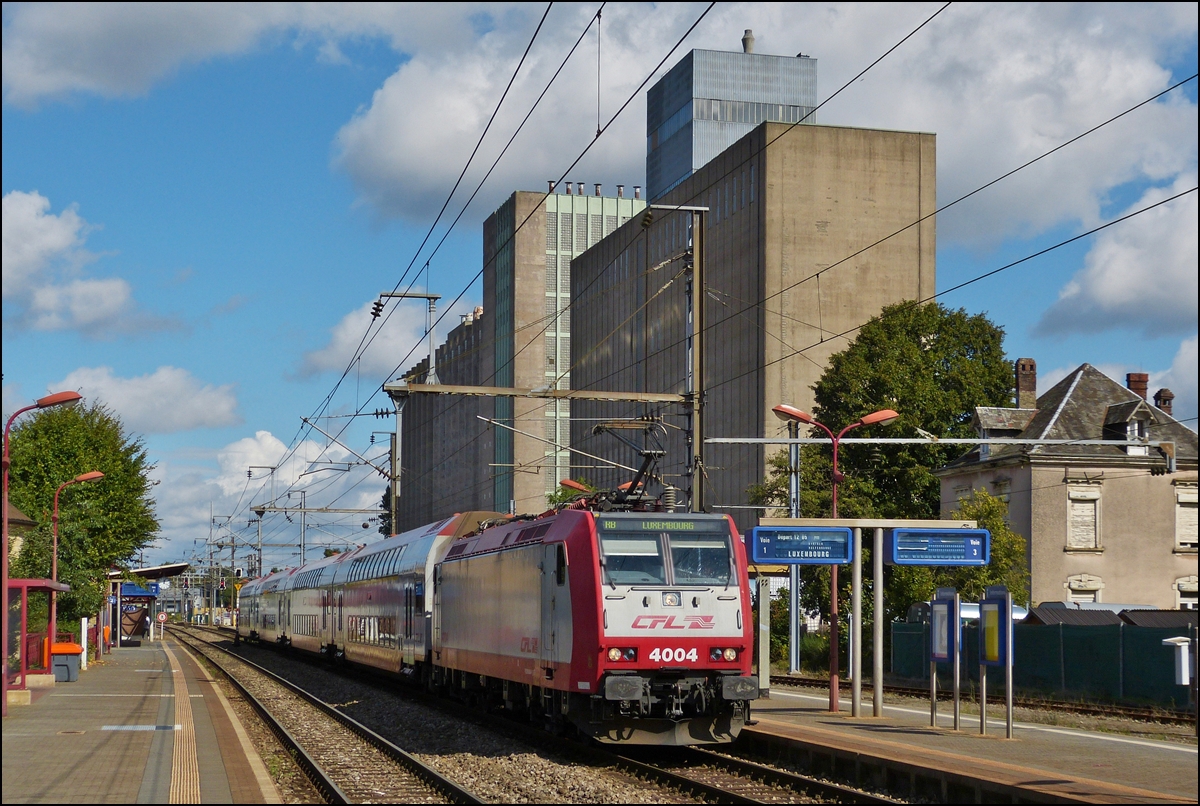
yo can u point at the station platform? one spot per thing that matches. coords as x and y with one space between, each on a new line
146 725
1040 762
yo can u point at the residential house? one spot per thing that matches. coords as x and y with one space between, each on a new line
1103 523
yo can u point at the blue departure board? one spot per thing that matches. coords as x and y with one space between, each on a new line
801 545
938 547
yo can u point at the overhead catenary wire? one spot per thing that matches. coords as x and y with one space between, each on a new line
566 172
752 305
367 336
859 75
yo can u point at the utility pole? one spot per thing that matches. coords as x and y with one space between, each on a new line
695 350
432 299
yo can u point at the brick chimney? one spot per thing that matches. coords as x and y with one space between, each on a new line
1026 383
1163 399
1137 382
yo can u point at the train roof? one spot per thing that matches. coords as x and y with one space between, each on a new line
457 525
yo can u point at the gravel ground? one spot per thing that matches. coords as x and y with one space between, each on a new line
495 767
293 785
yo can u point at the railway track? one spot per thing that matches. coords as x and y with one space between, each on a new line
1064 706
346 761
716 777
696 774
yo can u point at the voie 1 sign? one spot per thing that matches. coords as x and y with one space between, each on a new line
938 547
801 545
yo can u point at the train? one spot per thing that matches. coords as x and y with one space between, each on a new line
631 627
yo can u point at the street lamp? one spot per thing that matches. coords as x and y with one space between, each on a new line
881 417
95 475
56 399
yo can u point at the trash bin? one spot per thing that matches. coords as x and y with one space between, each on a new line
66 662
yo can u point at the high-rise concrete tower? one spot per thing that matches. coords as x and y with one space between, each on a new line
711 99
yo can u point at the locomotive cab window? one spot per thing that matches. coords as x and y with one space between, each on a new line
632 559
701 559
662 552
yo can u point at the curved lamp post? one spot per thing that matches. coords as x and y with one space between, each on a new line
95 475
881 417
56 399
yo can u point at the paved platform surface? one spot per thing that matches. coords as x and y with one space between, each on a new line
1107 767
145 726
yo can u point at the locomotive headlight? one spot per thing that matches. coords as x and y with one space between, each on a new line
715 653
618 654
730 654
614 654
672 599
630 654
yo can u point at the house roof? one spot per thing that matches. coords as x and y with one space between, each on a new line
1160 618
1001 419
1043 614
1123 412
1078 407
18 518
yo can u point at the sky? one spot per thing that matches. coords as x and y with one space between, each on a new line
201 201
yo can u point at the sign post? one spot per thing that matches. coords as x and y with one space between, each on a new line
923 542
794 546
943 645
995 649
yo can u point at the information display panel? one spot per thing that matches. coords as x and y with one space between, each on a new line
995 622
943 629
938 547
802 545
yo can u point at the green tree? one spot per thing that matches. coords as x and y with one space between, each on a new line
102 523
385 514
931 364
565 495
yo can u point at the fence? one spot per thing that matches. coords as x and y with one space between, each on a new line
1114 662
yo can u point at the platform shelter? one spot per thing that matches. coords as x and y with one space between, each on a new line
28 636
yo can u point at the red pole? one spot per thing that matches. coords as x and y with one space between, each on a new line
4 563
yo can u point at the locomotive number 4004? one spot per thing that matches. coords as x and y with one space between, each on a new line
676 655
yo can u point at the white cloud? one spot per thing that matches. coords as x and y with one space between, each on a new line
1140 274
36 240
116 49
998 83
399 344
164 402
191 492
1181 379
43 256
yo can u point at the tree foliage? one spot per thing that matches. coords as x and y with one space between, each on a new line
101 523
933 366
385 514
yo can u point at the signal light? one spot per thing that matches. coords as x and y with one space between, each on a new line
376 308
648 218
222 584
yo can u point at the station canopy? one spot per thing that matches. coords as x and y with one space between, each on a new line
153 572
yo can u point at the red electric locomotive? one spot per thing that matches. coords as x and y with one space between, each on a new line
633 626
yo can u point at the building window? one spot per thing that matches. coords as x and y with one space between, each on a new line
1083 588
1083 517
1185 516
1185 593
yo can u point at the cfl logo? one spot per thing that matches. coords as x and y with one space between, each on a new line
672 623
